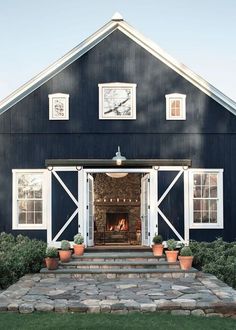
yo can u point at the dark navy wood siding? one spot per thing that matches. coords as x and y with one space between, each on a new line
207 137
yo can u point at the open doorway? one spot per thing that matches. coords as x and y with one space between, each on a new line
116 209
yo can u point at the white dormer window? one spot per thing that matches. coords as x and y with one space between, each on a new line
58 106
175 106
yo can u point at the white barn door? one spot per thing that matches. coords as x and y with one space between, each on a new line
145 208
90 210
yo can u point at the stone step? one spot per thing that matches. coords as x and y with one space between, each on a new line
115 256
113 273
119 248
153 264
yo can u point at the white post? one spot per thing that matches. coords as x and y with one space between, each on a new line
186 206
153 204
49 206
81 197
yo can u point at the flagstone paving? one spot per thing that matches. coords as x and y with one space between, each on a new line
204 295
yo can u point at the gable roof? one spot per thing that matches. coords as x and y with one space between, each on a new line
117 23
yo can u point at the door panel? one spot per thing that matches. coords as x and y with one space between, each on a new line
90 209
63 206
172 206
145 214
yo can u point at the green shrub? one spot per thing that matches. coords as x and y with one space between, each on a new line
51 252
157 239
186 251
65 245
217 257
171 244
19 255
78 239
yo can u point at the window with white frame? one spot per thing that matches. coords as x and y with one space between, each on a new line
206 199
175 106
29 207
58 106
117 101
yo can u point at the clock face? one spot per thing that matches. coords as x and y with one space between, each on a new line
117 102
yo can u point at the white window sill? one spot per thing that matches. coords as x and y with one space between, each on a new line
22 227
207 226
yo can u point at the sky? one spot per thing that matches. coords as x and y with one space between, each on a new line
200 34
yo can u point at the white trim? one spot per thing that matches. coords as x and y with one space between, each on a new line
220 202
176 97
153 223
15 220
170 168
145 211
117 170
52 98
64 168
49 206
93 40
117 85
186 206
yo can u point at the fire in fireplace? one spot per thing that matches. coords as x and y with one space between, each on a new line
117 222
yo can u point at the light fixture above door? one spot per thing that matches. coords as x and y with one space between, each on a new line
116 175
118 157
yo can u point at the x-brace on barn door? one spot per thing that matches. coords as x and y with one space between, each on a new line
180 172
52 238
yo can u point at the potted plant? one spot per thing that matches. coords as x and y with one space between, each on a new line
171 253
65 252
186 258
157 247
51 258
78 244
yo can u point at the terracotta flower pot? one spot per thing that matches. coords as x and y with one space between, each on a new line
157 250
171 256
51 263
65 255
78 249
185 262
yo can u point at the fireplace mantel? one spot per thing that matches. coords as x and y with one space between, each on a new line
115 203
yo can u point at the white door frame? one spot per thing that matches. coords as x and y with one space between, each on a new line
145 208
153 193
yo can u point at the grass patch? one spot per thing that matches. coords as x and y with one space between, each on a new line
111 321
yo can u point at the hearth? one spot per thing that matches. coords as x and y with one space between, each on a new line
117 221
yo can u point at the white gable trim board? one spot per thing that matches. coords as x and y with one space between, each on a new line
117 24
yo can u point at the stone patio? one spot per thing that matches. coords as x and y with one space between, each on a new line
204 295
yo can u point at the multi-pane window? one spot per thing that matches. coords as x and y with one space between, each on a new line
207 199
175 107
28 204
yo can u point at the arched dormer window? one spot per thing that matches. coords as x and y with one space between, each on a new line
175 106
